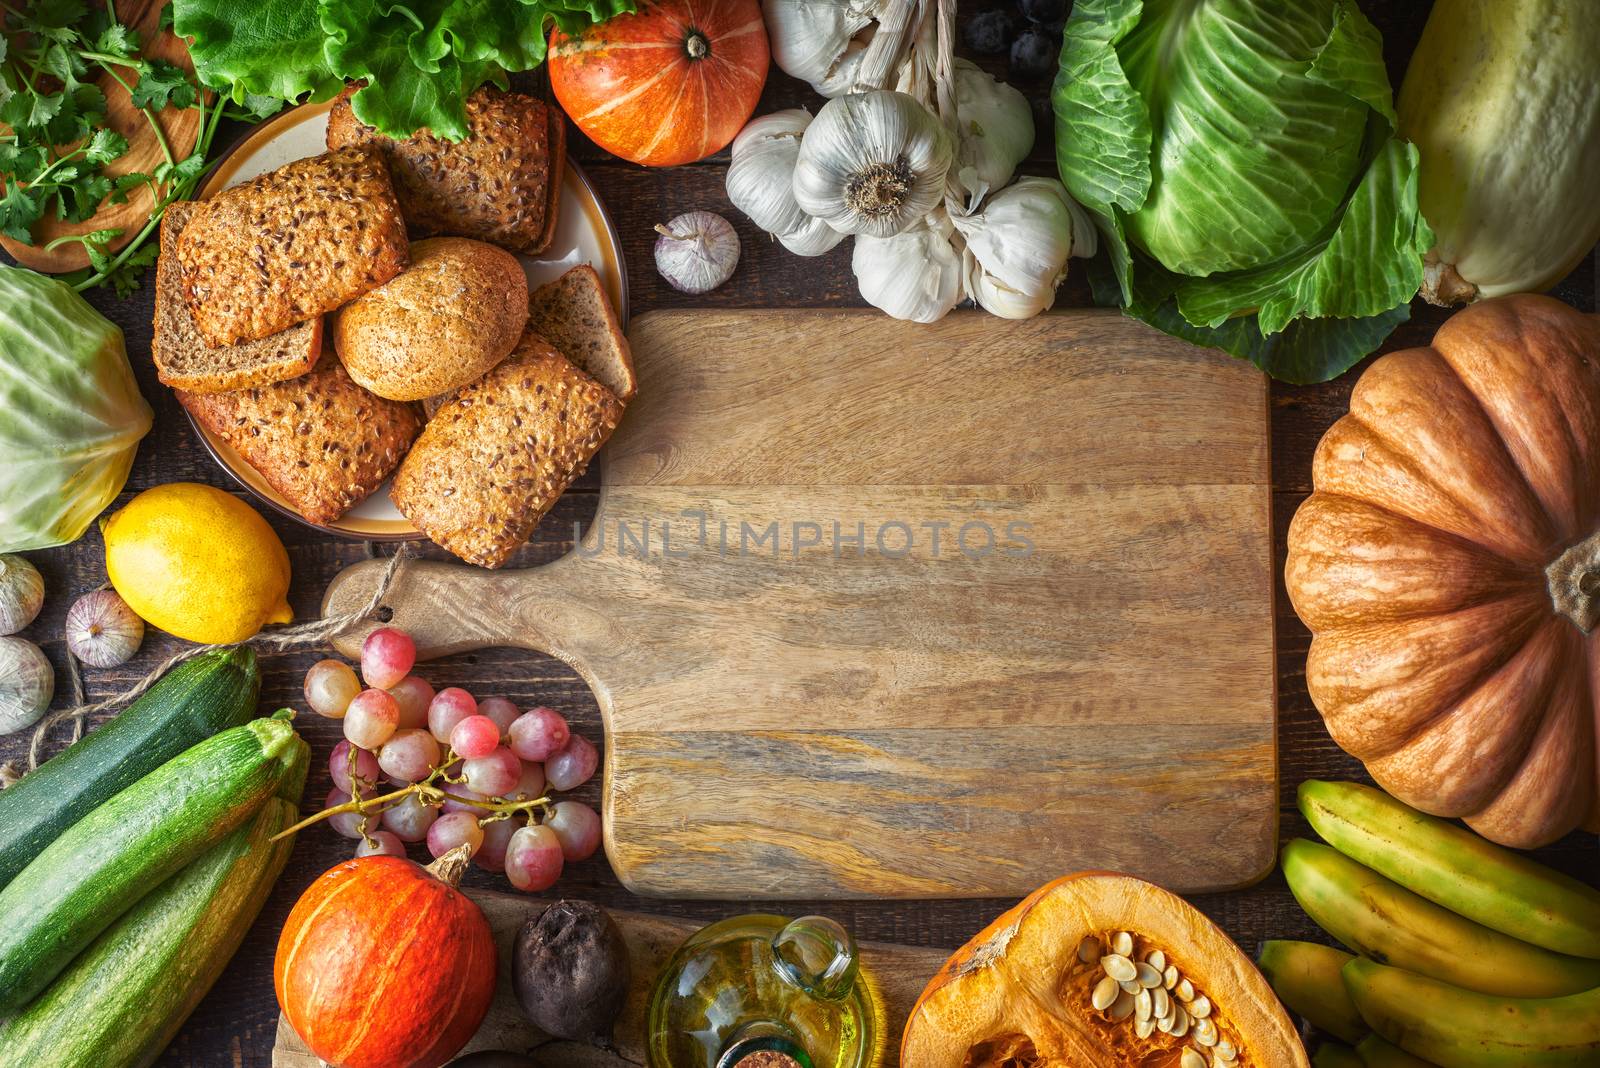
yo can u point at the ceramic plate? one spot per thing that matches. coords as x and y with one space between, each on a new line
584 234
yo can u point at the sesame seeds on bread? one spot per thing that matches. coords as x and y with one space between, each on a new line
183 359
574 314
320 440
497 456
502 184
290 245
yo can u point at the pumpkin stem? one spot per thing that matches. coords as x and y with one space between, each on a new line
450 867
697 45
1574 581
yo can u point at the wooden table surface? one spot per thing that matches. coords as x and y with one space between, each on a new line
234 1025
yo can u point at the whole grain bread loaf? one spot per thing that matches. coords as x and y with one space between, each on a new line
289 245
183 359
495 458
458 310
574 314
501 184
320 440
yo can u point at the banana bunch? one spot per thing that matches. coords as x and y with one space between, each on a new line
1467 955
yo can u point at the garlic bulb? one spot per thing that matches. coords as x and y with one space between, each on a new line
27 682
21 593
761 182
697 251
994 129
102 630
1017 246
820 41
915 275
812 239
872 163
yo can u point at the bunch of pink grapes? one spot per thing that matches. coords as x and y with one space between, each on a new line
401 730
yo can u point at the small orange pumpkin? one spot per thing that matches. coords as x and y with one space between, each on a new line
1448 566
385 964
1023 993
670 84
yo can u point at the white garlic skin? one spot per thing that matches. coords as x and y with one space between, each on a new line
760 179
27 682
21 593
1018 245
994 126
872 163
697 251
102 630
916 275
816 40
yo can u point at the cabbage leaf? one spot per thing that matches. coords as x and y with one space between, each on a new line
420 59
1239 157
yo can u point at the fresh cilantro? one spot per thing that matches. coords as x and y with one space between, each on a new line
117 40
19 210
105 145
162 84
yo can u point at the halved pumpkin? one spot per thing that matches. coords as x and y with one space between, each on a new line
1022 993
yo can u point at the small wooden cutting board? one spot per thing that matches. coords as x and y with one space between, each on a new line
897 974
874 609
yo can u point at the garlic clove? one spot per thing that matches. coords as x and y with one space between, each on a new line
697 251
102 630
872 163
916 275
27 682
21 593
812 239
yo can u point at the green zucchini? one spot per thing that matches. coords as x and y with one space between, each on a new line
192 702
103 864
121 1001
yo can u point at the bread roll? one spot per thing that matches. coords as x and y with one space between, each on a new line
452 315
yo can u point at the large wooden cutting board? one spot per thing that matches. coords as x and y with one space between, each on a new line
896 974
1079 675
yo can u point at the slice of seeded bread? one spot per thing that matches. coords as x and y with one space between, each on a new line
574 314
184 360
497 455
291 244
320 440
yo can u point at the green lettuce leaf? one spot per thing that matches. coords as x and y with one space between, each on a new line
258 48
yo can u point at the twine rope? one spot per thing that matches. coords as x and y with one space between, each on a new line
268 643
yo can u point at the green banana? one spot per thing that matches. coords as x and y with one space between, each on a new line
1305 977
1457 1028
1382 920
1375 1052
1335 1055
1453 867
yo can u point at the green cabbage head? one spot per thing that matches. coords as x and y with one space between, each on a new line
71 415
1240 157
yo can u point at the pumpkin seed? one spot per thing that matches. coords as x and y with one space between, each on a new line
1185 991
1122 944
1180 1022
1105 992
1156 959
1169 977
1089 950
1122 1008
1149 978
1144 1028
1200 1007
1191 1058
1141 1005
1225 1053
1119 967
1160 1002
1131 986
1205 1032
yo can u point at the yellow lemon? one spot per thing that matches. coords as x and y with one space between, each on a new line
198 563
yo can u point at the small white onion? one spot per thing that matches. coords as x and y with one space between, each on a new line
21 593
27 682
697 251
102 630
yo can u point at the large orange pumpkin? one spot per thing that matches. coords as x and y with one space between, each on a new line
670 84
1448 565
385 964
1022 993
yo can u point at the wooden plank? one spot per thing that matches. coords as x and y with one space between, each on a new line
789 704
898 974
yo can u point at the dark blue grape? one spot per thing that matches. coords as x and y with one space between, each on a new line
1044 12
1033 55
989 32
